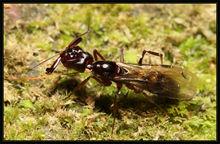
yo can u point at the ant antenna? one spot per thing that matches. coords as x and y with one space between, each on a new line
41 63
32 78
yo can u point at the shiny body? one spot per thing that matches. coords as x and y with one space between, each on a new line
162 80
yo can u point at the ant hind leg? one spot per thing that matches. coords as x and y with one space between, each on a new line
140 62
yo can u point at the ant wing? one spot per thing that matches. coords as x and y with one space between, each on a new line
176 82
172 82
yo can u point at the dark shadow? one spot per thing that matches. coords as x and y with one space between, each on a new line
137 103
68 85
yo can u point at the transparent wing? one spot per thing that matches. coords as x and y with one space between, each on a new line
168 81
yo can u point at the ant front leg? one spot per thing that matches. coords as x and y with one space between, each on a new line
152 53
96 54
53 67
82 83
104 82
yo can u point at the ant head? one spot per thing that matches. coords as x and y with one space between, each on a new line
73 57
76 59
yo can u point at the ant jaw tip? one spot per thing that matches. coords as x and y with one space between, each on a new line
48 71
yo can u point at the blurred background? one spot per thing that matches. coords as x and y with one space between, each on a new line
46 107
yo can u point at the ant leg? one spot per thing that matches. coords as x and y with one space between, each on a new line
122 55
82 83
53 67
137 90
141 59
119 86
152 53
151 101
105 83
41 63
53 87
96 54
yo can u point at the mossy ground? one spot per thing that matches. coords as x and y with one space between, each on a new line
49 109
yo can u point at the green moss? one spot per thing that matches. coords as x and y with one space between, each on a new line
27 104
42 110
10 114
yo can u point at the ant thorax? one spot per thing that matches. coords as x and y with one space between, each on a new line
105 69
